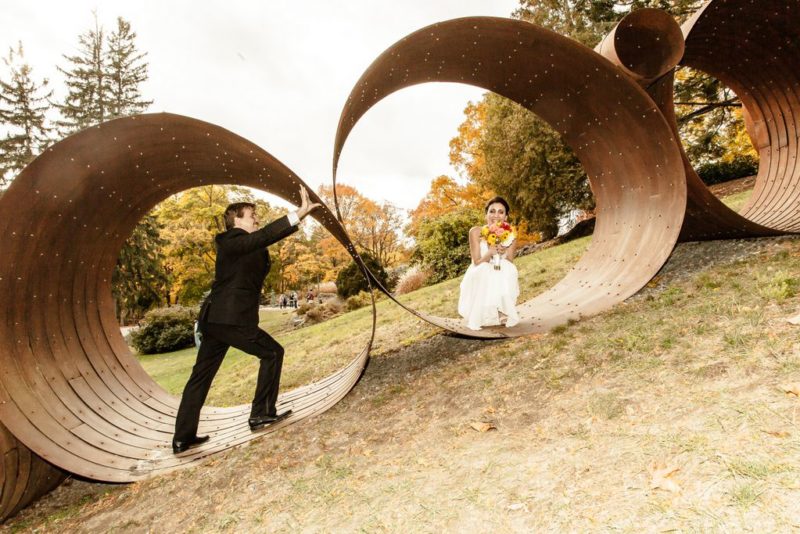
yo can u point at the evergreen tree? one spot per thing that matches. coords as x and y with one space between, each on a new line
23 107
126 70
103 82
87 83
139 279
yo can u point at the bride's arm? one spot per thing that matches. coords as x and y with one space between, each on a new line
511 251
475 247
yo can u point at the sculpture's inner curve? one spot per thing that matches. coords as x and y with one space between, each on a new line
639 193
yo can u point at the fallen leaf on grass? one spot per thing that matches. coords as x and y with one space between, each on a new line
791 389
793 320
662 477
777 433
517 506
481 426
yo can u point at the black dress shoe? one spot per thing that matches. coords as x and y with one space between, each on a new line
263 420
183 446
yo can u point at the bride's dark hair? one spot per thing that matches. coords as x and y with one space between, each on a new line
497 200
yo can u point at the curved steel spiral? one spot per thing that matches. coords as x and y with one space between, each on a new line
72 395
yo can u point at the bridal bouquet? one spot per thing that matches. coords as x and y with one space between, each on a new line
502 234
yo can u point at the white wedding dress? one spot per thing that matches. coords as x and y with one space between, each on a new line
486 292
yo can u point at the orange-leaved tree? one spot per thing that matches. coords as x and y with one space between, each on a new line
374 228
445 196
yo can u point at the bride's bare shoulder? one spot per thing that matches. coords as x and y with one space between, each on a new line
475 230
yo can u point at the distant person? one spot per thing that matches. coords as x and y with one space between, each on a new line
282 301
309 297
490 287
229 318
294 299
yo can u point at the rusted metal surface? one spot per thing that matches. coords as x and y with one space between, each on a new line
653 32
626 146
645 45
72 393
70 390
753 48
24 477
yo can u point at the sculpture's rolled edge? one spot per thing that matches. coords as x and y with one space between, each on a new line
756 53
646 44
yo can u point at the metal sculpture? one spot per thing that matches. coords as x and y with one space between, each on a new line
72 395
70 390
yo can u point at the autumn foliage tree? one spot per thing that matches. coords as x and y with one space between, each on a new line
445 196
374 228
189 221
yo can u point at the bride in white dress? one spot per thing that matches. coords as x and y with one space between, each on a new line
488 294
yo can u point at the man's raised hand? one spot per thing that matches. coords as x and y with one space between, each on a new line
306 206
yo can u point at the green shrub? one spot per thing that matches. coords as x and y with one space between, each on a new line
165 330
351 280
443 244
358 301
723 171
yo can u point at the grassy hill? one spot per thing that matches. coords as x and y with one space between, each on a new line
668 413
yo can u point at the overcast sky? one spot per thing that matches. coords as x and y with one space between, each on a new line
278 73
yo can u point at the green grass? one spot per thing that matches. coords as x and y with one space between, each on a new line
736 294
737 200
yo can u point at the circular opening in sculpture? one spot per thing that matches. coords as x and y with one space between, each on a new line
500 148
167 266
718 135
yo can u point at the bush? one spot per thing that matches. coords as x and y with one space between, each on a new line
443 243
723 171
411 280
165 330
323 312
304 308
351 280
358 301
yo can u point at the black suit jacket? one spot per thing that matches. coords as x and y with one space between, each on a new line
241 266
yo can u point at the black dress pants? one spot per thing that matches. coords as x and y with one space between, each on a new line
217 338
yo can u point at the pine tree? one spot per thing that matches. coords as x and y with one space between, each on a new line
87 84
103 82
139 280
126 70
23 107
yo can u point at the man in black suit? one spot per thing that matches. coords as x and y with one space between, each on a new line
229 318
